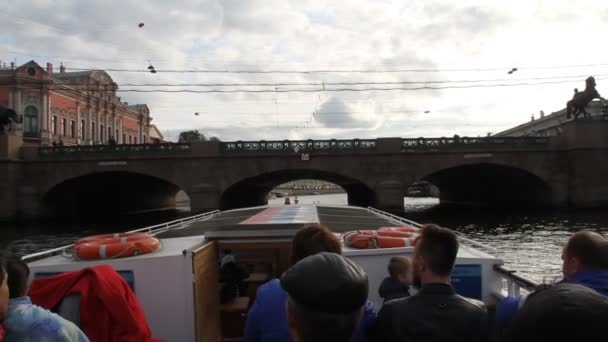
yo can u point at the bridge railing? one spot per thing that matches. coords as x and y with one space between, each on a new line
77 151
429 144
300 145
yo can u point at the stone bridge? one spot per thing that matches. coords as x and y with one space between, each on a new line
566 170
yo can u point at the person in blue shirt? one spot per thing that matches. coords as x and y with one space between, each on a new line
267 318
28 322
585 262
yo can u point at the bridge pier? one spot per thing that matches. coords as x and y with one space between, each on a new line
389 195
203 198
586 142
10 145
29 203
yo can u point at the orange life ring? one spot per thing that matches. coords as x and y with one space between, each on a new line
123 237
404 232
371 239
109 246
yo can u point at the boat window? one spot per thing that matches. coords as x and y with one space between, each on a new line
466 280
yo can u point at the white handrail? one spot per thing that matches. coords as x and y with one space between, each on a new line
515 282
398 220
153 230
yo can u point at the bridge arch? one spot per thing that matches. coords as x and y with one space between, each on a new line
492 184
106 193
252 191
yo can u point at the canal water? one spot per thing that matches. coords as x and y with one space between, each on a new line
529 241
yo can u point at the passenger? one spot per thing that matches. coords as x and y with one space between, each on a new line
28 322
228 257
4 294
564 312
267 319
585 262
397 285
436 312
327 310
232 276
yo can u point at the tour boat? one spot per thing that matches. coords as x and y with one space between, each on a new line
178 285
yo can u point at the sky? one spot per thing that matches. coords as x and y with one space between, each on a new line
461 50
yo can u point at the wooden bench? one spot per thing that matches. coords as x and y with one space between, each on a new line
239 304
233 316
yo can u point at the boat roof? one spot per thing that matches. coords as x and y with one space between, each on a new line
283 221
278 222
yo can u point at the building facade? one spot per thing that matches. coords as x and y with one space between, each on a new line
71 108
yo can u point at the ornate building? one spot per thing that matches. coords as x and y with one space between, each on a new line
71 107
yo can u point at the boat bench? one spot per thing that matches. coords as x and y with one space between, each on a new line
233 316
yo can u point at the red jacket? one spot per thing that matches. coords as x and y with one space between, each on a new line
2 333
109 310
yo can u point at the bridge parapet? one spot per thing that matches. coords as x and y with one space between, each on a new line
464 143
289 146
113 151
280 147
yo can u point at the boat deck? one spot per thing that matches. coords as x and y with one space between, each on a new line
280 222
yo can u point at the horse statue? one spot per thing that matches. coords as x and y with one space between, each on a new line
581 99
7 116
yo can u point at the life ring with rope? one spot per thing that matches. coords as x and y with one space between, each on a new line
384 237
111 246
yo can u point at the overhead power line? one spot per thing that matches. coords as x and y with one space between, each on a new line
296 84
324 88
328 71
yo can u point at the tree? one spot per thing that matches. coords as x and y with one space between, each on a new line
191 136
194 136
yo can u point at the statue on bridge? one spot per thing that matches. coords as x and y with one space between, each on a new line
580 100
7 116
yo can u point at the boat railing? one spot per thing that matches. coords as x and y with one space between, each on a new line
399 220
152 230
513 283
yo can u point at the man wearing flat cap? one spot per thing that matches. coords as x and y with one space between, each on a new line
326 295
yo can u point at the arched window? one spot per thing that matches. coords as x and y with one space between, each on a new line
30 121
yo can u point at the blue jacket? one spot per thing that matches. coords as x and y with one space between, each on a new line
267 319
596 280
28 322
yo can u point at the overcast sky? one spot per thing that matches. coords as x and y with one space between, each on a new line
548 41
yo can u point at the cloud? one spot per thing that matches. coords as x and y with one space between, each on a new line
335 113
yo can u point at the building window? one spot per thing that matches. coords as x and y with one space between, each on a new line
129 140
83 126
116 135
63 127
145 140
92 131
72 128
30 121
109 132
135 140
54 124
124 138
101 132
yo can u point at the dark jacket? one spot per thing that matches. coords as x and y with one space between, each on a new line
596 280
435 314
392 289
267 319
